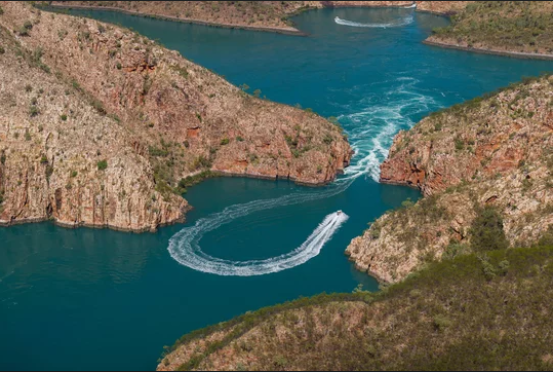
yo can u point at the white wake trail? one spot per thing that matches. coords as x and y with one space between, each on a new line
400 23
188 252
184 246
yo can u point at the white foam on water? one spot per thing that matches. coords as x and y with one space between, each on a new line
414 5
184 247
399 23
370 130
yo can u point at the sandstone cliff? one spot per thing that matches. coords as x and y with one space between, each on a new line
260 15
516 28
495 152
452 316
78 92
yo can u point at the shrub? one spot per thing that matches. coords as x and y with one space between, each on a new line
2 50
28 25
102 165
487 231
239 139
119 67
43 160
27 135
328 139
63 117
225 141
33 111
1 11
547 238
459 144
74 174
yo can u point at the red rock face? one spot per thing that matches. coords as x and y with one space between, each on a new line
498 153
153 116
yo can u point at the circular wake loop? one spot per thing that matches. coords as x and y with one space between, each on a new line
185 248
188 253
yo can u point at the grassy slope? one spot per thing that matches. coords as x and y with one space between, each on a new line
517 26
471 313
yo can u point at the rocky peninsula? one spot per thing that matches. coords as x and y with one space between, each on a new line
102 127
492 153
519 29
272 16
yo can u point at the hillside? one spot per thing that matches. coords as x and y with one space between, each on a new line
486 312
523 28
259 15
103 127
486 162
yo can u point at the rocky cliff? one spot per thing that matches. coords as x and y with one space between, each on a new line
260 15
495 152
471 313
516 28
99 126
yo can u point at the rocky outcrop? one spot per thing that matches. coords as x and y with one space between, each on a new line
496 151
447 317
255 15
99 125
515 28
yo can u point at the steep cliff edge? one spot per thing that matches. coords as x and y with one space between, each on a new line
517 28
470 313
102 127
258 15
493 152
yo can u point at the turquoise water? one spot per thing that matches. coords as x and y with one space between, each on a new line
94 299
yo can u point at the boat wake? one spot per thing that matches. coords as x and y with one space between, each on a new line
184 247
370 129
400 23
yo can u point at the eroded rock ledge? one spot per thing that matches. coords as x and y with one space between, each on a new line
495 152
98 126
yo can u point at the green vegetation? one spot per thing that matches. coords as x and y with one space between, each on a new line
519 26
1 11
2 50
190 181
183 72
102 165
487 231
33 110
63 117
451 316
225 141
157 152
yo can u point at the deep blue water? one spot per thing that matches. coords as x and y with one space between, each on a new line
94 299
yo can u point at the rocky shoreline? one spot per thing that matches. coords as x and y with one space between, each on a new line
285 31
432 41
490 154
102 127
